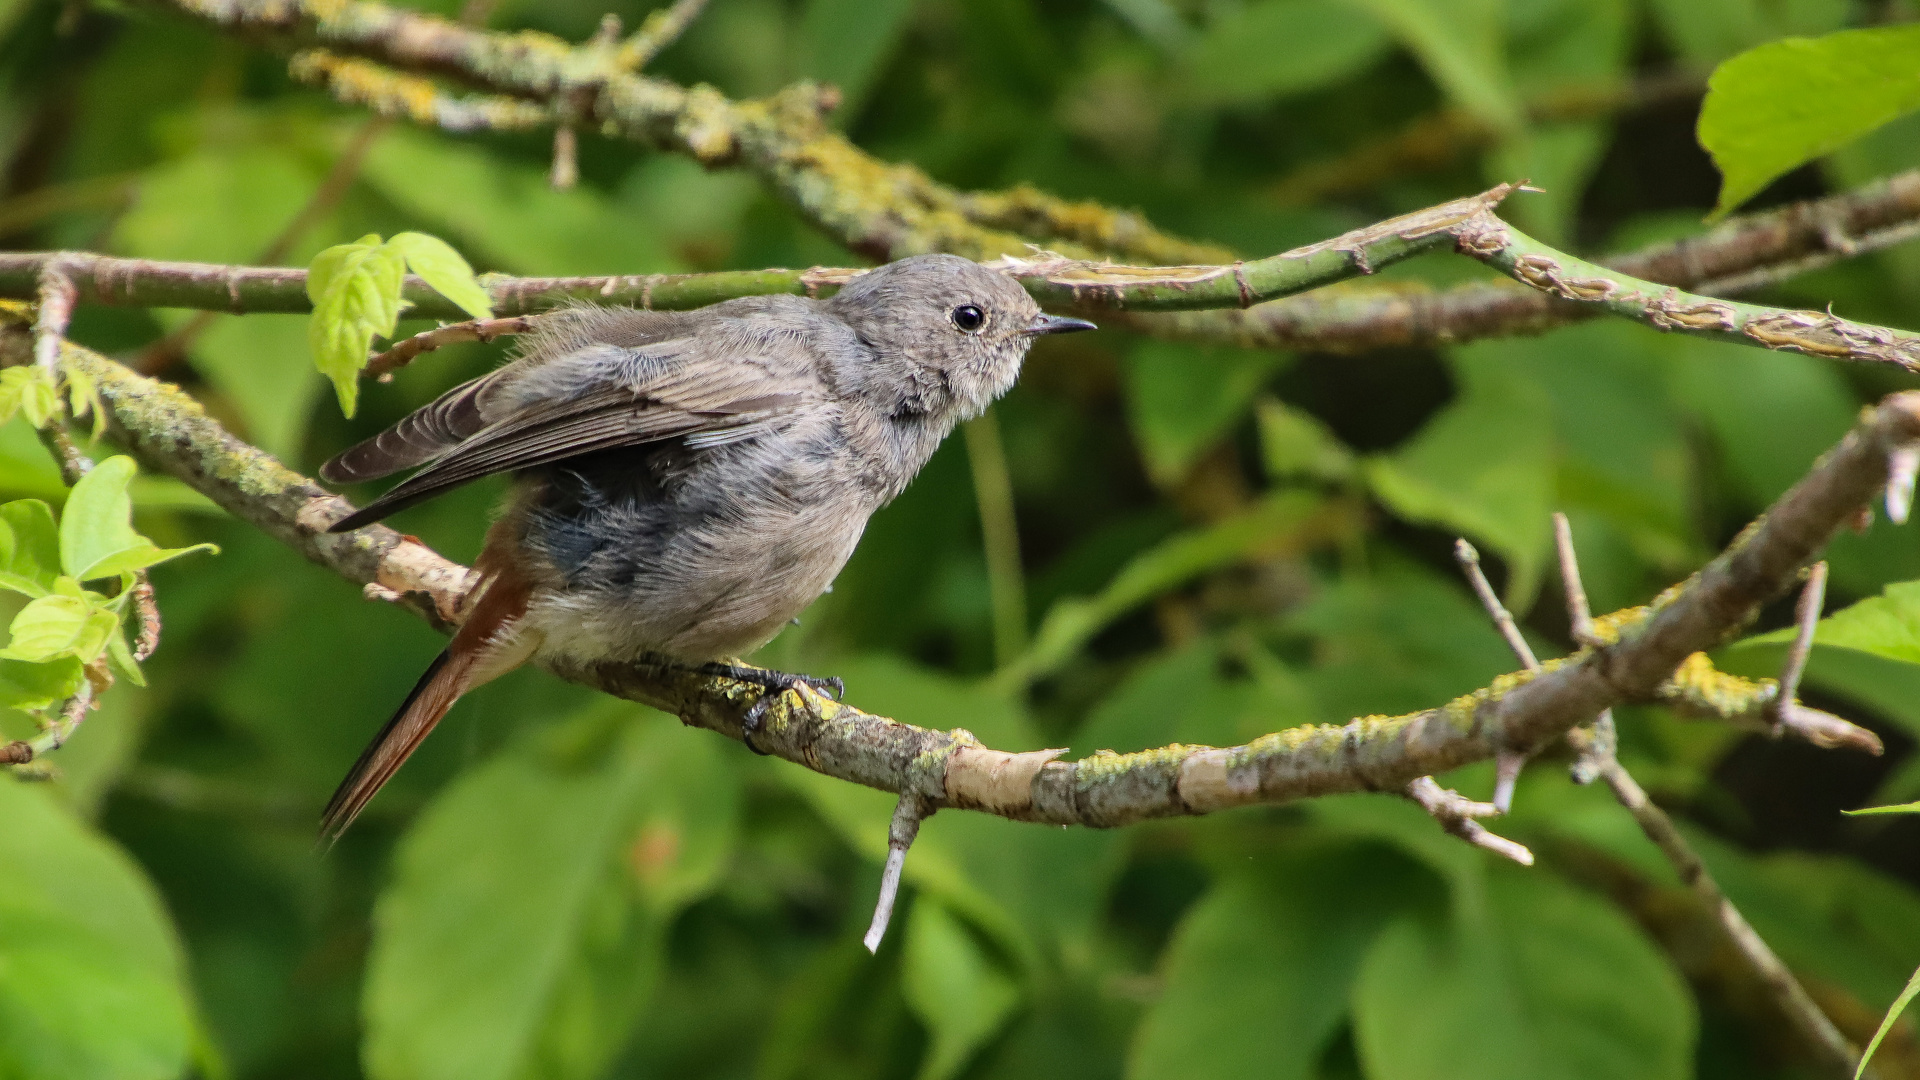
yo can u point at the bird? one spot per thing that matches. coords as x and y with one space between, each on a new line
685 482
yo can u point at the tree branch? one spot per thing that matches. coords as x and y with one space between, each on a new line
949 768
887 211
1468 225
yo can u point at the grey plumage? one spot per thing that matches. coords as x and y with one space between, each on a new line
689 481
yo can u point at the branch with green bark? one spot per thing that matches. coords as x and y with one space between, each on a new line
1468 226
389 59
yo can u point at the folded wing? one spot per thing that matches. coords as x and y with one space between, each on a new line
597 399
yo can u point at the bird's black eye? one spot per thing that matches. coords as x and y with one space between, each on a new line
969 318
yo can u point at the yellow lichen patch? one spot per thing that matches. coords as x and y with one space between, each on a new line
1698 686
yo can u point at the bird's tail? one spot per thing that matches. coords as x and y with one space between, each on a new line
488 645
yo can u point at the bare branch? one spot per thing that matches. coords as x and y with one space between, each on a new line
482 330
1806 616
1456 814
1836 1057
907 816
1596 749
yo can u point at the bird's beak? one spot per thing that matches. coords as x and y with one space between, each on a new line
1057 324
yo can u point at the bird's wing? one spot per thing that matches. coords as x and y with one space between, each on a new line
439 426
670 389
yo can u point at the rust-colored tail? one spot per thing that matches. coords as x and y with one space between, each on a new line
486 647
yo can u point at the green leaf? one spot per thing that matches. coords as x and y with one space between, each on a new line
55 626
954 987
1462 44
28 391
847 42
25 684
1275 523
90 973
355 289
1899 1006
1886 625
96 526
122 655
29 547
1533 980
445 269
1774 108
1483 467
1294 444
1181 399
1255 980
1277 48
1898 808
259 365
522 933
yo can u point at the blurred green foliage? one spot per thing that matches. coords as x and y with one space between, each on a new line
1217 544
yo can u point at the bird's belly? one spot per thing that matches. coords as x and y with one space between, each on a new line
703 594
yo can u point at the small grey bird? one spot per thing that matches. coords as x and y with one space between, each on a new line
687 482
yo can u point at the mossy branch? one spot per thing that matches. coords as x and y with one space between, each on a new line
950 768
371 54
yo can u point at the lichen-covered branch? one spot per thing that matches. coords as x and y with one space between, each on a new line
949 768
887 211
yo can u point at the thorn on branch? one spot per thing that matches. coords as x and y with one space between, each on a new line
1457 814
907 816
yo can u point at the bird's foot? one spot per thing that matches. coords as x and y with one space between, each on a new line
774 683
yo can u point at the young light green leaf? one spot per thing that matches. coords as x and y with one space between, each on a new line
28 685
27 390
122 656
97 539
1893 1013
443 268
1774 108
29 547
1294 444
355 289
55 626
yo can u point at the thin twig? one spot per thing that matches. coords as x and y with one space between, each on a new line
1456 814
1597 748
662 28
1509 761
1596 758
1469 559
1806 617
1834 1054
482 330
908 813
